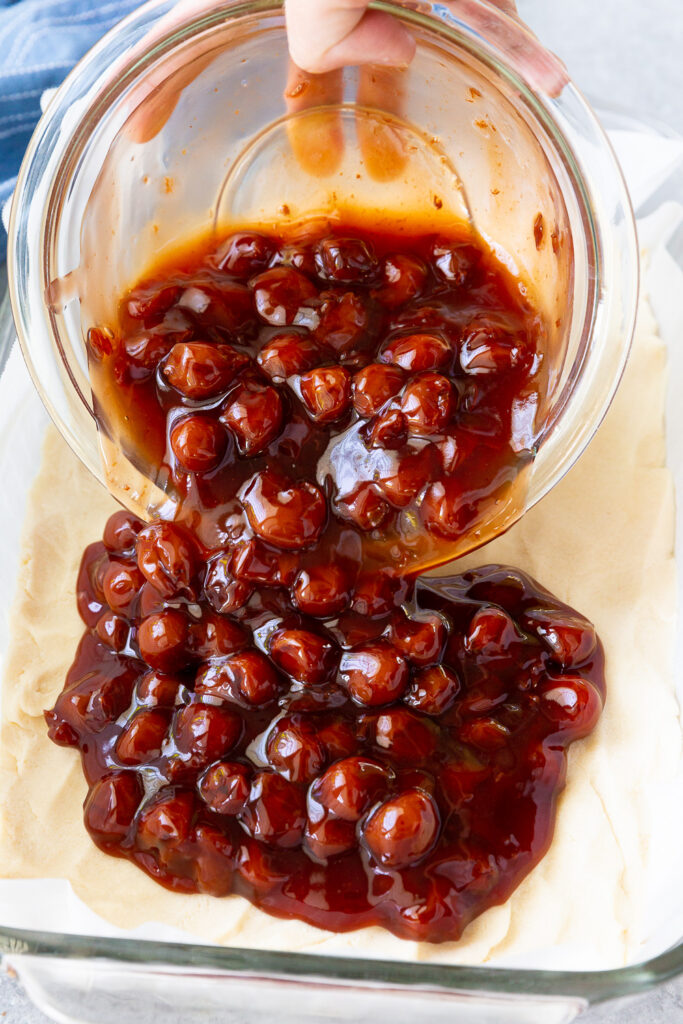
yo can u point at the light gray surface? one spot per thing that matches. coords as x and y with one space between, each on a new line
628 53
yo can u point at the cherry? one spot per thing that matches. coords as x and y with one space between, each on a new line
487 733
365 507
377 594
198 443
402 830
111 806
408 738
428 404
275 813
151 299
569 637
121 585
254 414
326 393
287 514
216 636
165 822
224 593
343 322
167 558
158 689
455 261
406 477
303 655
121 531
100 341
199 370
484 697
345 260
112 629
254 562
486 349
287 355
349 787
329 837
570 702
322 590
491 632
403 278
374 673
298 256
421 638
225 787
444 508
418 352
145 349
374 386
248 675
163 640
142 739
433 690
294 750
89 704
204 733
213 856
244 254
221 306
338 737
280 293
389 429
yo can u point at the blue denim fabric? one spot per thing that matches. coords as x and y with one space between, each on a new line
40 41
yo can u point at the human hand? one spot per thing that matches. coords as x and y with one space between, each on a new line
325 35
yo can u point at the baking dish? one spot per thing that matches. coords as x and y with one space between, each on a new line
99 979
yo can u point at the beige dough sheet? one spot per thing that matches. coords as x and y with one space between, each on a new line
602 541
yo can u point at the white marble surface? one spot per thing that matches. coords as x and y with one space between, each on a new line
626 52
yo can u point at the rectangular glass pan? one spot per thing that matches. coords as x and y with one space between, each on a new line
102 980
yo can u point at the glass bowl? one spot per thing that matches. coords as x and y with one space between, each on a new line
175 125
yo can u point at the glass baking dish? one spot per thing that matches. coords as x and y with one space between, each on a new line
89 978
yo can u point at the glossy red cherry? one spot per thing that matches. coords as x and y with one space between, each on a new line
428 404
225 787
244 254
404 479
254 562
111 806
345 260
167 558
374 673
145 349
365 507
487 349
216 636
403 830
275 813
408 738
455 261
403 278
420 638
378 593
350 786
326 393
248 676
303 655
388 429
491 631
486 733
165 822
329 837
287 514
374 386
570 702
113 630
280 293
433 690
570 638
198 443
417 353
163 640
151 299
121 531
322 590
343 322
443 509
294 750
224 593
254 414
199 370
121 586
157 689
204 733
287 355
142 739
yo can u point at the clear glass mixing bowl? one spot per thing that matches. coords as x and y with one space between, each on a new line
171 125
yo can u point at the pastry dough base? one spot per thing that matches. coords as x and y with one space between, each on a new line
601 541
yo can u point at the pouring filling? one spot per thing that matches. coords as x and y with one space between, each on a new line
267 700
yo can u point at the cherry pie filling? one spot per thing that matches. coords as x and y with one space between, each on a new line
267 700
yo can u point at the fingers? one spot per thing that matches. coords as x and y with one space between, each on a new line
328 34
317 141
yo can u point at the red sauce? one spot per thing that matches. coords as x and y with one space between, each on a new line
348 751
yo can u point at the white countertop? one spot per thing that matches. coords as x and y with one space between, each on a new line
626 53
